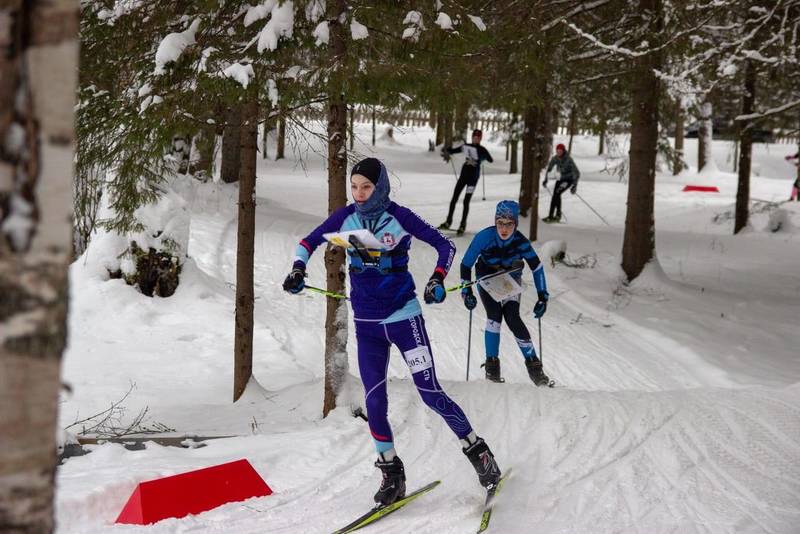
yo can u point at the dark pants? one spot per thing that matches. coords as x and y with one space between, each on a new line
495 313
559 189
464 181
374 340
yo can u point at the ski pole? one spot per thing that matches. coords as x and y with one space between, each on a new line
473 282
541 355
454 168
469 342
483 180
591 208
326 293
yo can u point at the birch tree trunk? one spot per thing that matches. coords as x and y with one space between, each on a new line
245 244
336 312
745 150
638 246
38 80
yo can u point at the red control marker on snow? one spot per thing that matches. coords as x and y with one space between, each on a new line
701 188
192 492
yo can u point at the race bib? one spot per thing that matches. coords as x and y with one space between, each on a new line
418 359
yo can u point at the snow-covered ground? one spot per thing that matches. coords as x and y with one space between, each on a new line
680 410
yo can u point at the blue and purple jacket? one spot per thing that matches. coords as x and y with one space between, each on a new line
382 296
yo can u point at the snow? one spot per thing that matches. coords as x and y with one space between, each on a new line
280 24
679 411
357 30
240 73
322 33
256 13
444 21
173 45
478 22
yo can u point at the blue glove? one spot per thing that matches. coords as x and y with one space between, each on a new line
469 298
435 291
295 282
541 305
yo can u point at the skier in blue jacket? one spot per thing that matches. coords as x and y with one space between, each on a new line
386 311
503 247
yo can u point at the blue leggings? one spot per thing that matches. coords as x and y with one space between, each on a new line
374 341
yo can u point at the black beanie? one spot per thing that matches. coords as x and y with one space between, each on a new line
369 168
477 132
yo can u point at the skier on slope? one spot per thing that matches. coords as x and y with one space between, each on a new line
498 248
796 185
475 154
568 179
386 311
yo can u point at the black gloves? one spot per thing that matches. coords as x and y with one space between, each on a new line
470 301
435 291
541 305
295 282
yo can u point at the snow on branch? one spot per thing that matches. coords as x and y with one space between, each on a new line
769 112
577 11
173 45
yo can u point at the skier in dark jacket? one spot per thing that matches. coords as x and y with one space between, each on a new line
568 179
503 247
475 154
386 312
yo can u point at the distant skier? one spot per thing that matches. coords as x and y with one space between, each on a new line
475 155
568 179
796 185
386 311
503 247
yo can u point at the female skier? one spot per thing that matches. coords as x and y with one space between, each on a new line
386 311
503 248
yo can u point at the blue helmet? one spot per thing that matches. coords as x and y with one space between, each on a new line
507 209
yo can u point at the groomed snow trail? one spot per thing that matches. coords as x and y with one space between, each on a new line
651 432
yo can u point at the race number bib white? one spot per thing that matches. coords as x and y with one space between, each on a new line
501 287
471 154
418 359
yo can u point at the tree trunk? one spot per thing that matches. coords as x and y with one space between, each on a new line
38 72
677 162
705 135
350 134
231 144
204 142
638 246
745 149
280 147
373 125
513 166
461 121
528 140
245 242
573 124
448 129
439 128
336 312
267 126
601 148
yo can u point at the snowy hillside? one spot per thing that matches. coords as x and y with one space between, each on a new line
680 405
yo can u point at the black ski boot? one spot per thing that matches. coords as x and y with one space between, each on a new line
492 366
536 373
461 230
484 463
444 226
393 485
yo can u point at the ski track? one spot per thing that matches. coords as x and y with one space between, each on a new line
646 436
